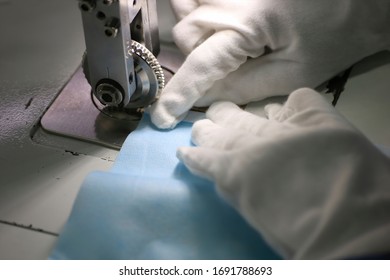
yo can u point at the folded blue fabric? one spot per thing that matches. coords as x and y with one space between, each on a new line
149 206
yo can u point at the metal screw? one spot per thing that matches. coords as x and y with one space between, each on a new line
87 5
111 31
100 15
112 27
109 94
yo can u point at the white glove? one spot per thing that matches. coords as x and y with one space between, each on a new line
291 44
306 179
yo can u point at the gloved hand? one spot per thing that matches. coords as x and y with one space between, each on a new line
244 51
306 179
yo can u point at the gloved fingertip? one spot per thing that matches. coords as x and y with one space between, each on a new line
163 118
303 92
201 128
304 98
187 155
202 123
219 107
222 104
197 160
182 152
304 95
271 110
164 122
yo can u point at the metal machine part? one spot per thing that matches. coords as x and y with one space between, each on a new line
77 113
119 74
122 43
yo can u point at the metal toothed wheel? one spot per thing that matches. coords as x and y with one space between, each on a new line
149 75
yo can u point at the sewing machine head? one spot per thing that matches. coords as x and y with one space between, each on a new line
122 43
122 71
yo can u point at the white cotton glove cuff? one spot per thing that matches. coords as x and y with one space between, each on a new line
311 184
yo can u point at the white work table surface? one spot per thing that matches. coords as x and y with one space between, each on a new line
41 45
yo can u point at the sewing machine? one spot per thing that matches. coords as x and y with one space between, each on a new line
45 97
123 70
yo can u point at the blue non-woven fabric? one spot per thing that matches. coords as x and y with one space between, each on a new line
149 206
